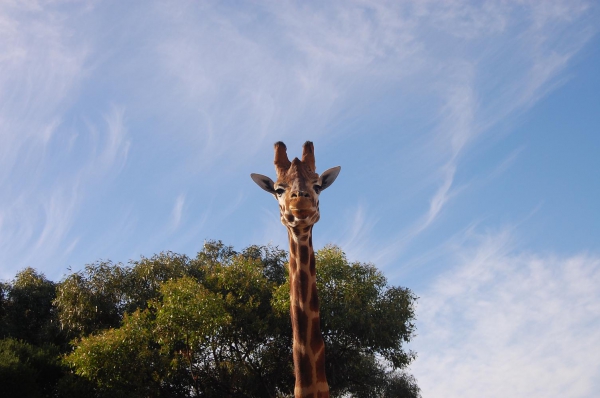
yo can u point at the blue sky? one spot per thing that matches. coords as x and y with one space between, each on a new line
467 133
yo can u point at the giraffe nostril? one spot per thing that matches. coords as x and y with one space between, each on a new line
301 194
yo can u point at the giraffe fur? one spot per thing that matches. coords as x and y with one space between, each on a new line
297 190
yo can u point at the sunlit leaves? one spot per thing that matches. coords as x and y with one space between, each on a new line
363 320
219 325
27 307
91 300
188 313
121 359
144 277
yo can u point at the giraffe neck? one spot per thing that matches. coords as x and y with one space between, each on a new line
308 345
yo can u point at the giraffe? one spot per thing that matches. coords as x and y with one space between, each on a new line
297 190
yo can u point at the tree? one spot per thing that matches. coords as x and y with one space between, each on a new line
188 316
143 278
218 326
28 311
97 298
4 288
92 299
217 336
251 355
27 370
30 363
401 385
122 362
364 323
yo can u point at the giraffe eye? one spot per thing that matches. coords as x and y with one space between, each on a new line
317 188
279 191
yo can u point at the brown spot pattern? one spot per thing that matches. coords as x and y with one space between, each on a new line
297 289
303 254
300 320
306 374
293 247
320 365
309 367
316 339
304 282
314 299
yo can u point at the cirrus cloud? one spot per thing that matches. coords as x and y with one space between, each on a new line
507 323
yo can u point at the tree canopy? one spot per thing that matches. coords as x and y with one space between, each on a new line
216 325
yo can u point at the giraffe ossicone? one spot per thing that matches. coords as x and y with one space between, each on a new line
297 190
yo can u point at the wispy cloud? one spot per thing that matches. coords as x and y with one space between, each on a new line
485 63
251 87
40 72
457 129
355 238
116 144
506 323
217 84
177 212
38 213
469 113
240 87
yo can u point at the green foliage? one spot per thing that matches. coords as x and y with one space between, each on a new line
187 318
250 356
360 312
210 326
401 385
4 287
27 308
364 323
142 280
215 253
97 297
188 313
216 325
28 371
92 299
121 362
271 259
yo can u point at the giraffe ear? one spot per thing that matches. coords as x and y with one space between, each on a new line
328 177
264 182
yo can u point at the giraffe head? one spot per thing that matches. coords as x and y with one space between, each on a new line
298 185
